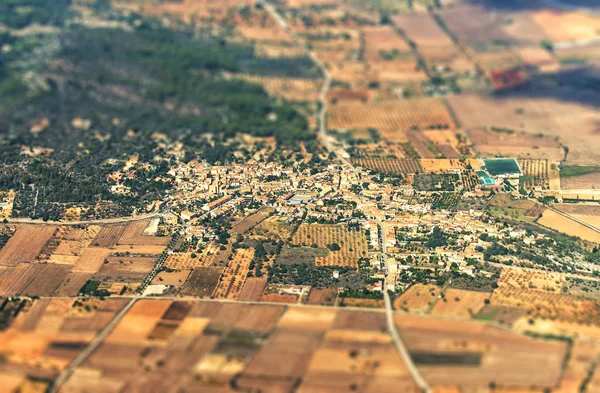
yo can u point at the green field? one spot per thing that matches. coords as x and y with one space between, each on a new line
502 166
574 171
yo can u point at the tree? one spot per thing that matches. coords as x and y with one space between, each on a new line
334 247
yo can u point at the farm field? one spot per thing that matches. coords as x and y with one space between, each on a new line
202 281
418 298
58 260
46 335
460 303
469 354
551 117
25 244
391 115
510 143
253 289
273 227
251 221
233 277
250 341
352 245
389 165
565 225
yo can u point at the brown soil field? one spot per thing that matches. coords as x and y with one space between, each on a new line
590 181
567 26
498 60
460 303
475 24
365 303
538 57
547 305
275 50
579 209
422 29
381 38
279 298
390 115
309 318
202 281
176 278
290 89
247 317
563 224
234 275
353 244
287 354
109 235
133 234
184 260
272 228
519 145
140 249
552 117
138 323
125 269
446 141
376 369
360 321
523 361
72 284
545 281
253 289
25 244
500 314
251 221
321 297
440 165
263 33
417 298
32 279
91 260
32 351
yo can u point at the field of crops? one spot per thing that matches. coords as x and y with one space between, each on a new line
389 165
352 244
535 173
419 113
233 277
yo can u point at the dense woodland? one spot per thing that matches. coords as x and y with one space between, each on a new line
147 80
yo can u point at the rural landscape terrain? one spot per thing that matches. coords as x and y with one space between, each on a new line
300 196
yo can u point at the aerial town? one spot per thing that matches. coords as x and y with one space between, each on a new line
300 196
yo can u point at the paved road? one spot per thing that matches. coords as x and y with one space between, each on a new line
570 217
414 371
347 165
322 116
389 313
78 361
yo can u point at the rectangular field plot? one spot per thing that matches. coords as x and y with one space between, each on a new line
25 244
391 115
